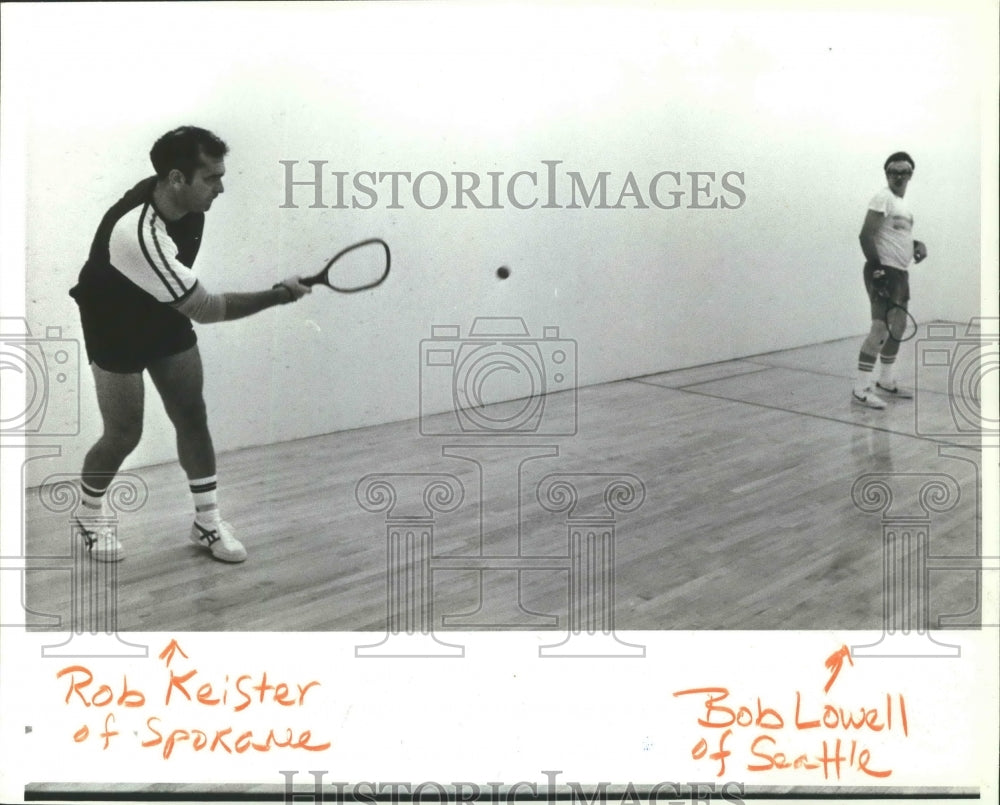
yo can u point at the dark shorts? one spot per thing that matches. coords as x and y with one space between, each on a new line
895 289
126 342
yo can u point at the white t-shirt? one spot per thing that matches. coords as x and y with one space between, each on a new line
894 239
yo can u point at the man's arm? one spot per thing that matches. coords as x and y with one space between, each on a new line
873 221
241 305
208 308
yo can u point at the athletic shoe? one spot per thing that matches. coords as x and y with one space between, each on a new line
867 399
101 542
220 541
896 391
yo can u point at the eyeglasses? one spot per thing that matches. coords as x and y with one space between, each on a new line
899 172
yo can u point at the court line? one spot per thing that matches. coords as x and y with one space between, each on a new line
759 359
643 379
691 390
848 378
763 367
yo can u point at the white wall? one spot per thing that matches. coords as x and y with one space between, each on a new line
805 106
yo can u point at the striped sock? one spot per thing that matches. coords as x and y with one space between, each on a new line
866 365
206 503
92 500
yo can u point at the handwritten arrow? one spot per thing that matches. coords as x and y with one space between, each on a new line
168 653
835 662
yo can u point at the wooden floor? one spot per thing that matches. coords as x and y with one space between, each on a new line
747 521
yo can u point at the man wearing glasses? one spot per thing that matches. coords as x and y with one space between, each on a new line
888 245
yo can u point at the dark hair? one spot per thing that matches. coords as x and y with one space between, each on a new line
899 156
182 149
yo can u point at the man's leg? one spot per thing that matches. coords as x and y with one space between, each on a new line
872 346
120 400
887 357
878 333
179 379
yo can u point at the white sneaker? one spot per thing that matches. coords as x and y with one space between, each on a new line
867 398
895 390
219 540
100 541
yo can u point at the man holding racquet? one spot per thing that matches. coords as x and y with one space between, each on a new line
888 245
137 297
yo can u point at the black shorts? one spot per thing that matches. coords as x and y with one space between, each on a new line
895 289
126 340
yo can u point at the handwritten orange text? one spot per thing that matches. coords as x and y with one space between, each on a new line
186 693
769 731
227 740
831 716
246 690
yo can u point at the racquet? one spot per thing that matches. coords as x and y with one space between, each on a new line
359 267
902 326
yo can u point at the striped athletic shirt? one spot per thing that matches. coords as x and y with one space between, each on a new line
139 264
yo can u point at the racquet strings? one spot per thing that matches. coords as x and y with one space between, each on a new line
902 326
359 268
